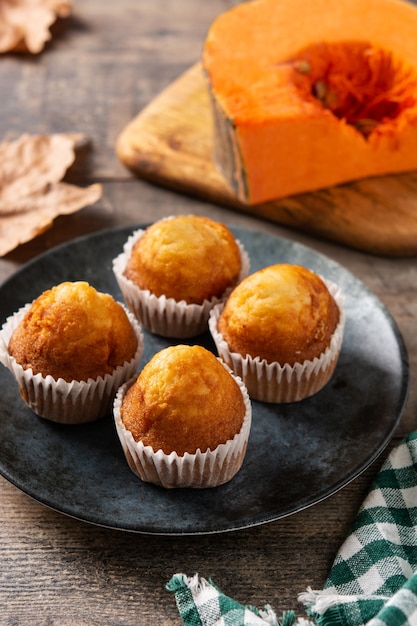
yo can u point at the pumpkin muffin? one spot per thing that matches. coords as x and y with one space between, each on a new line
185 420
281 330
70 350
174 271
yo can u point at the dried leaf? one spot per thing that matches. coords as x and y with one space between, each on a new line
32 193
24 24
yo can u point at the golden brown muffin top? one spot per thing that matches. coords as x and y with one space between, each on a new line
182 400
73 332
187 258
283 313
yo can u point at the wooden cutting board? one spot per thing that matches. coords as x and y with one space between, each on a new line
170 143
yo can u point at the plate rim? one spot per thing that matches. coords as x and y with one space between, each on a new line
325 493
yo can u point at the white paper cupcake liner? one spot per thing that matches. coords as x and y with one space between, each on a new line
161 315
200 470
75 402
272 382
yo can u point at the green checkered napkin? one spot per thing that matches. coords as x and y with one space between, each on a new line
373 580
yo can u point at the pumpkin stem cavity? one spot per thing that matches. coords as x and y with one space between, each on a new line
368 87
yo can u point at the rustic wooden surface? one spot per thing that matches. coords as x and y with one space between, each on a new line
104 65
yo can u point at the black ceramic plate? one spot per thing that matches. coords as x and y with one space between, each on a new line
298 454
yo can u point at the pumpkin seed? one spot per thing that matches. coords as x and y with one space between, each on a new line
302 66
320 90
366 126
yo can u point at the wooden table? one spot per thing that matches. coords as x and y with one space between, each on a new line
105 63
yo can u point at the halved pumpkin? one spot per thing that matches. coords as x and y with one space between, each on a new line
307 95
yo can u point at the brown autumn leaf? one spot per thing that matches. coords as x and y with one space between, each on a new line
32 193
24 24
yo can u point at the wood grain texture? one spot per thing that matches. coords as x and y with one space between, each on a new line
61 572
170 142
104 65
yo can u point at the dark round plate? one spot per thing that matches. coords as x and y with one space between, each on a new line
298 454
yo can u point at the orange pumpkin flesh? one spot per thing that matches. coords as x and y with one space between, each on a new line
312 94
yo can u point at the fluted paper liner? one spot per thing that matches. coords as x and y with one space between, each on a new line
74 402
272 382
202 469
161 315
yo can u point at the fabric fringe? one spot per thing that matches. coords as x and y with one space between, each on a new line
319 601
194 583
188 589
323 607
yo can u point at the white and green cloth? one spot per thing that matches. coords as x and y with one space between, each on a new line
373 580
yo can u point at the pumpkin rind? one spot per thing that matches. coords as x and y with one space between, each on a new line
275 137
